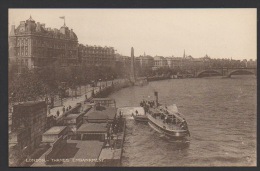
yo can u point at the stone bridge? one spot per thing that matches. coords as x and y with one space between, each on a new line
226 72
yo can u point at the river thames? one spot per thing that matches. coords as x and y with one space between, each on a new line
221 115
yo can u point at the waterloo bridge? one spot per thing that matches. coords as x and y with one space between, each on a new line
226 72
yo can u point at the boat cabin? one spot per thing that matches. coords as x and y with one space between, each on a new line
167 116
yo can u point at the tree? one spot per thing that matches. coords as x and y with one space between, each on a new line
26 86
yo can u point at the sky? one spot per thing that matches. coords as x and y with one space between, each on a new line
219 33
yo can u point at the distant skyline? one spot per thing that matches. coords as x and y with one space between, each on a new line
219 33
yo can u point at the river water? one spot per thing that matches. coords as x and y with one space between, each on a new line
221 115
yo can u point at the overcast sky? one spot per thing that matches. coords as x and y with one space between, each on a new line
220 33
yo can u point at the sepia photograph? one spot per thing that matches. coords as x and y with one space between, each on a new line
132 87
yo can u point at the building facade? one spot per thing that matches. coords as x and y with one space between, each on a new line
33 45
160 62
96 55
146 61
29 121
123 60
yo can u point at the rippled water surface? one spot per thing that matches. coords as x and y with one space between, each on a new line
221 114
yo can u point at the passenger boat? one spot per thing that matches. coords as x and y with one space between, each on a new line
166 119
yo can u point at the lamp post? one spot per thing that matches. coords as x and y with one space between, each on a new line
80 89
85 88
100 84
93 90
60 94
76 87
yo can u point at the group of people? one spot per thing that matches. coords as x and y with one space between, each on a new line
63 110
164 115
146 105
116 126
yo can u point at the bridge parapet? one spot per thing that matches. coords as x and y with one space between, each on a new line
227 72
232 71
213 70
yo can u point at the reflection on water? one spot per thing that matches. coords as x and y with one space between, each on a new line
221 115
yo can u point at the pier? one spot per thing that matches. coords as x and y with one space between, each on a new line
79 136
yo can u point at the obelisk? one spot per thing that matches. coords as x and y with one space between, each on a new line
132 77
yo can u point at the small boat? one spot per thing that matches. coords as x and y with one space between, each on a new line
140 118
140 115
166 119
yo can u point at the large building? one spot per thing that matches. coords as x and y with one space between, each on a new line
33 45
97 55
146 61
160 62
28 125
30 116
123 60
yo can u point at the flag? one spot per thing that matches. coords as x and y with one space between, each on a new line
63 17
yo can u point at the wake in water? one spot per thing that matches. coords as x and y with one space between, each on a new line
175 140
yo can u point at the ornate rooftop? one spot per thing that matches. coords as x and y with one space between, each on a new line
31 27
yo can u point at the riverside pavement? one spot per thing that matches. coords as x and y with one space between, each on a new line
72 101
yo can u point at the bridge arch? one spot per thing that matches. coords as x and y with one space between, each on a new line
241 70
199 74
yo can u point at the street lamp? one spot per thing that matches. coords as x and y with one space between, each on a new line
86 86
60 93
76 80
99 83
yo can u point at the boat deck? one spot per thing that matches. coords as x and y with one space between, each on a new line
158 121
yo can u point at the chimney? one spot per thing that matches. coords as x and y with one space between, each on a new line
43 26
38 26
12 32
71 33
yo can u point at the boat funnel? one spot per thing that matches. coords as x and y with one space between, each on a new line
156 98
